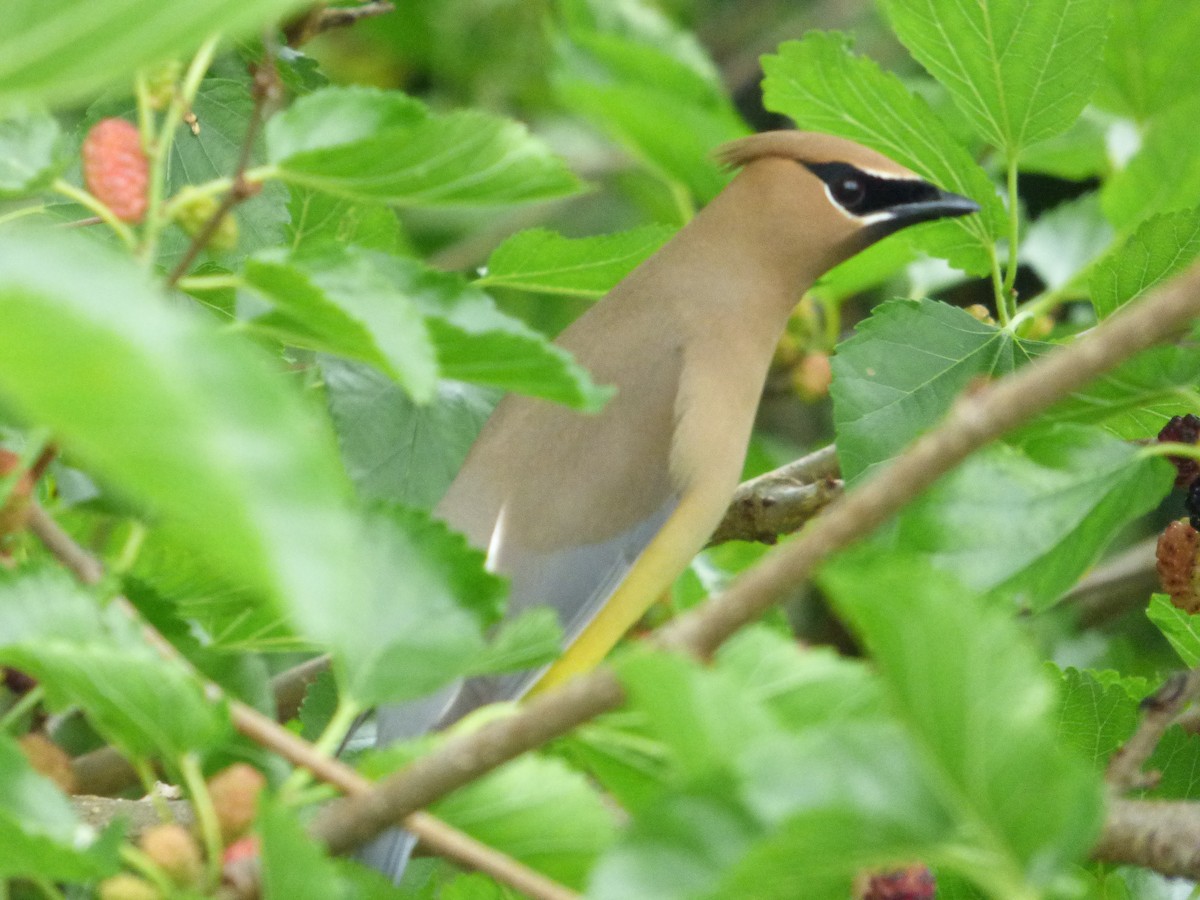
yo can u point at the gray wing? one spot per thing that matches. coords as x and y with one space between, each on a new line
576 582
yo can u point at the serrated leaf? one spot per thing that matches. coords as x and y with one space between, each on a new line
139 701
1162 246
661 109
319 704
1077 154
540 260
29 141
293 865
532 639
1135 400
319 219
981 708
836 801
824 87
70 49
739 794
1027 518
536 810
393 449
1180 628
195 425
1148 61
428 601
806 688
899 374
1097 713
1164 174
335 301
383 146
476 342
1021 72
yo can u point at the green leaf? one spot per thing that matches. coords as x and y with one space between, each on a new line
1163 176
1135 400
374 145
293 865
1162 246
540 260
41 836
1027 518
427 603
739 794
824 87
1179 627
802 689
660 109
1097 713
194 424
1079 153
899 374
973 695
334 300
476 342
1021 72
29 143
319 219
538 811
139 701
1148 61
393 449
836 801
533 638
70 49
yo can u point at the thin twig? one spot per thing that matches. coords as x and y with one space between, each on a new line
434 833
1116 586
1159 711
266 87
320 19
977 419
82 223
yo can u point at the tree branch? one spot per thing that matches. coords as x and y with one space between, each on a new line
1163 835
1159 711
781 501
976 419
436 834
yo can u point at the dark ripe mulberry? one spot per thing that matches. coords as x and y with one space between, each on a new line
1182 430
913 883
1176 562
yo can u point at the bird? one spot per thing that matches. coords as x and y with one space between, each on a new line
594 516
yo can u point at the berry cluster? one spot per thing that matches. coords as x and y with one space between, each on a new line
1176 557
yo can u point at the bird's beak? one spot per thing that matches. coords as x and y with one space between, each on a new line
943 206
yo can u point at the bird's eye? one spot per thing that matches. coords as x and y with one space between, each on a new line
849 191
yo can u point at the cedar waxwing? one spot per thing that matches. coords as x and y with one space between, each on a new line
596 515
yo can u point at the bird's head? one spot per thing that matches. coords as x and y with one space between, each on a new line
829 197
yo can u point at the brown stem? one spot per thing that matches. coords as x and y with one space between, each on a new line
266 87
1159 711
436 834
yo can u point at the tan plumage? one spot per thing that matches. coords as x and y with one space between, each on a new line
595 516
